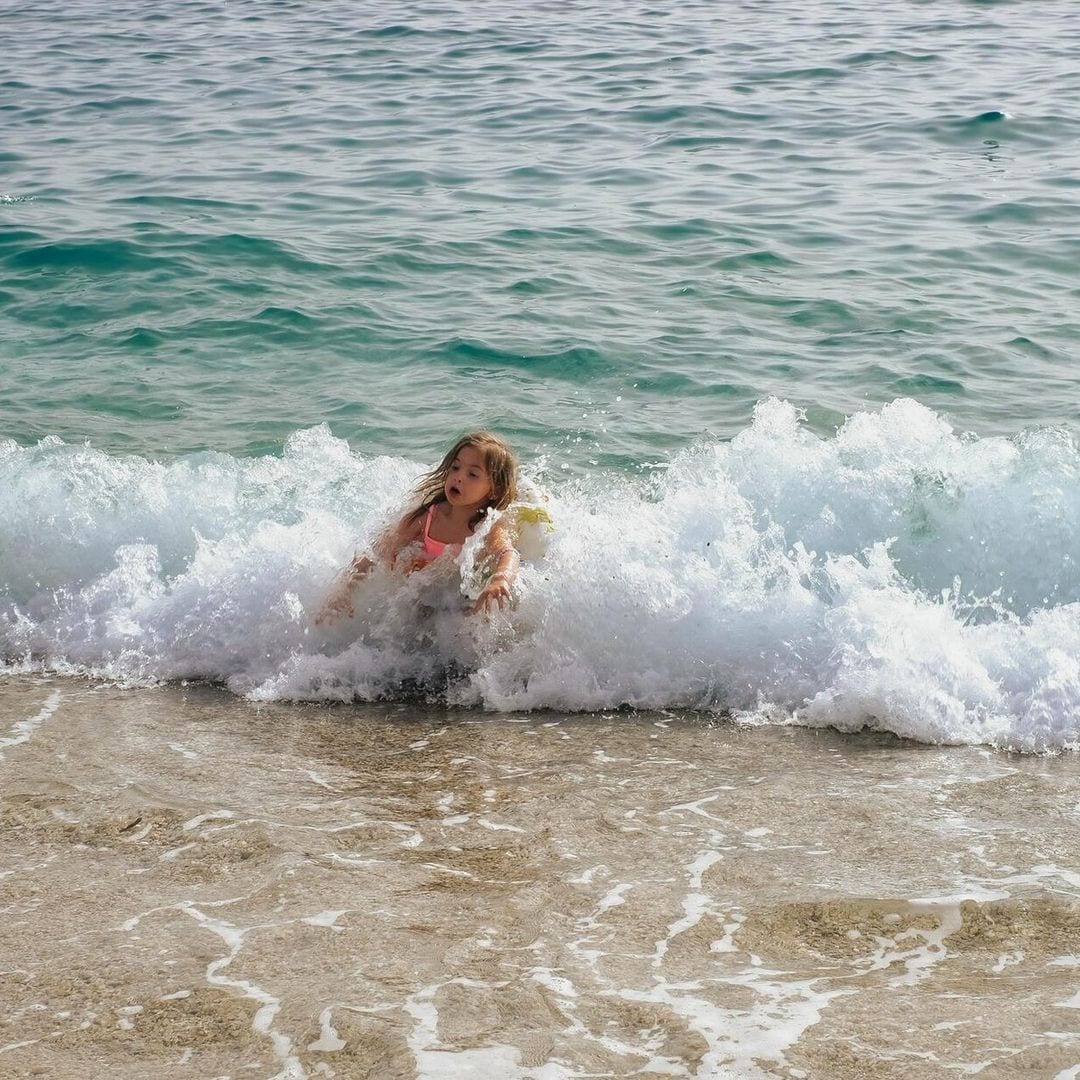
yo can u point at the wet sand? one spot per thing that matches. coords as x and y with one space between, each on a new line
195 886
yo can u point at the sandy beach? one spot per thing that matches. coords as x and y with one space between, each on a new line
196 886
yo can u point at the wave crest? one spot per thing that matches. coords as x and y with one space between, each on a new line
897 574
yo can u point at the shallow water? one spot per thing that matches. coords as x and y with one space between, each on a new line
198 886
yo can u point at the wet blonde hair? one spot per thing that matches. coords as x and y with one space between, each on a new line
499 460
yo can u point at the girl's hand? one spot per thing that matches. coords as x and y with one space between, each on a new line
496 591
339 606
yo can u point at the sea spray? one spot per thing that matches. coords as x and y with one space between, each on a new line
896 574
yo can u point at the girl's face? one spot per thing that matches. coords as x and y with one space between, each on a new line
467 482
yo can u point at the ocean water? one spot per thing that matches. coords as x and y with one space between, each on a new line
778 304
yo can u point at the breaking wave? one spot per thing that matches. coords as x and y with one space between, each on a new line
897 575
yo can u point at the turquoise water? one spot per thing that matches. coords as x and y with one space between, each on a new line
779 304
604 232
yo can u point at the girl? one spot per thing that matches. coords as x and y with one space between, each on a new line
477 475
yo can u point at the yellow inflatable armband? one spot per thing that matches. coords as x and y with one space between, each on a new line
534 529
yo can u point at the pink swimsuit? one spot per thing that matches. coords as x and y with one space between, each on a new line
434 548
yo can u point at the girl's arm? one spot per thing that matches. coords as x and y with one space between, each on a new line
386 548
500 549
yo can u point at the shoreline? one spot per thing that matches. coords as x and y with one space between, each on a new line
195 885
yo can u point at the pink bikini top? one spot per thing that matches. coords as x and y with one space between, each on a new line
434 548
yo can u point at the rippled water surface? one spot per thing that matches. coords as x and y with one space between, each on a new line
222 222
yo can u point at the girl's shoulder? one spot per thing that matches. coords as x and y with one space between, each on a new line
410 525
502 530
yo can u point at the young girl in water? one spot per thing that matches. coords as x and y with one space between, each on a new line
478 475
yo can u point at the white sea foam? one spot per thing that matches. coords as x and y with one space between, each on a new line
23 730
896 575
